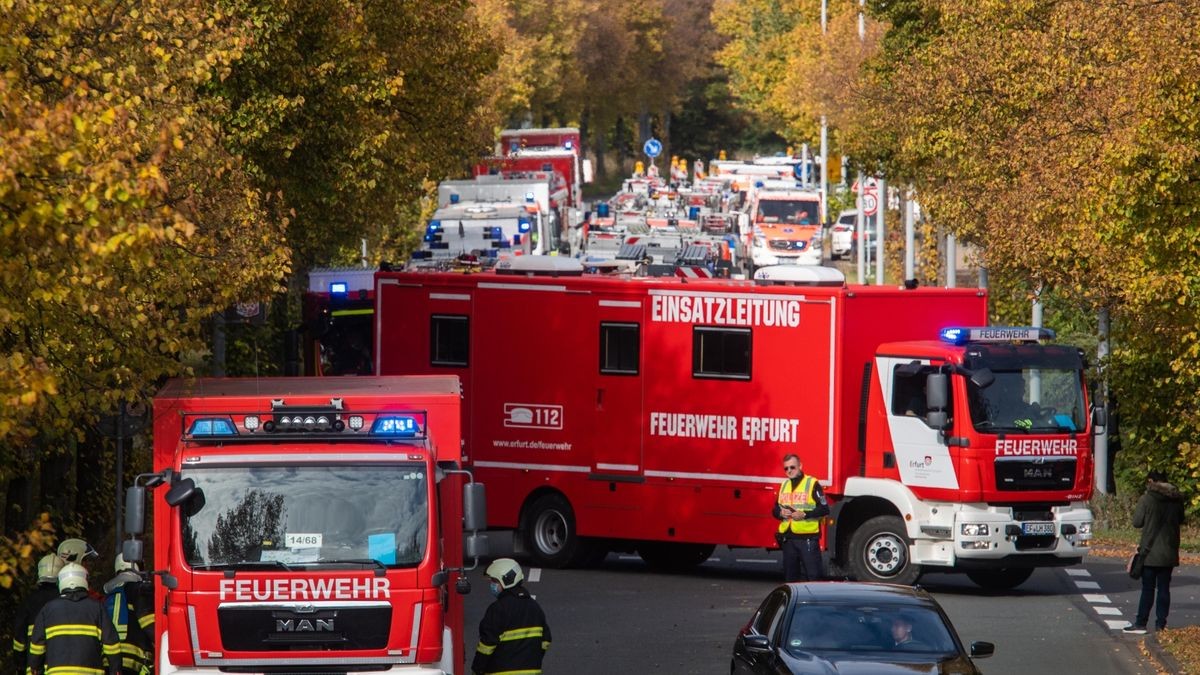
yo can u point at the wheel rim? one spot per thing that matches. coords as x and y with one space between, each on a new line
550 532
885 554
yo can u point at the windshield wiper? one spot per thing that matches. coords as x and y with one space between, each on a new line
245 565
380 568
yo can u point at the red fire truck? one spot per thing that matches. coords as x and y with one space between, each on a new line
308 523
653 414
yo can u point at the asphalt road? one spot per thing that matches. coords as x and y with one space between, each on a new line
623 618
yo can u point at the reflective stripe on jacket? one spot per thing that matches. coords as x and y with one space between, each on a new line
513 636
73 634
800 499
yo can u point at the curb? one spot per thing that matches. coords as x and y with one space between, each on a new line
1161 658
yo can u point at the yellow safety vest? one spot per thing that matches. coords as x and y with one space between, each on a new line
800 499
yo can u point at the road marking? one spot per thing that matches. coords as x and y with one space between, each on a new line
1091 585
1115 625
1096 597
535 574
1078 572
758 561
1107 611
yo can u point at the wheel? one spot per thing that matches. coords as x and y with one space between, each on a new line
550 537
669 557
1001 579
879 552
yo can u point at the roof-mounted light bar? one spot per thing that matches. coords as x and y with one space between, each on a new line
305 423
960 335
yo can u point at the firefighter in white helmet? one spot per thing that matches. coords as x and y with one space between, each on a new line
47 590
129 604
513 634
72 633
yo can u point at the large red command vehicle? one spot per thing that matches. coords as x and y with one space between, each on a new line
309 524
653 414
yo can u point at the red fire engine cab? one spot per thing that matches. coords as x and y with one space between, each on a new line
653 414
308 524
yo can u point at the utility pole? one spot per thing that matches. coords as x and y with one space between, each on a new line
879 232
860 229
824 132
1102 459
909 237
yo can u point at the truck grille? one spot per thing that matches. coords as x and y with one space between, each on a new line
788 244
286 629
1042 473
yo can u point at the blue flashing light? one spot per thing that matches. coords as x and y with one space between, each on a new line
516 240
513 146
213 426
955 336
602 210
454 197
404 426
523 224
434 225
529 197
568 145
758 183
339 288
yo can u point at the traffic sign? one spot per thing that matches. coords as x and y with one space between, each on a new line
652 147
870 203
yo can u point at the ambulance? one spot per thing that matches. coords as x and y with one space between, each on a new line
653 414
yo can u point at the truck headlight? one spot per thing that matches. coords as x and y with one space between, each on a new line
1084 528
975 530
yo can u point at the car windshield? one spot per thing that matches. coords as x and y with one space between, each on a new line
791 211
306 515
1034 400
869 629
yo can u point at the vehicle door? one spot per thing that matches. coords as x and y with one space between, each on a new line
619 392
749 659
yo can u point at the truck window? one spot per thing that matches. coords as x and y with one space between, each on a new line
448 340
308 515
619 347
908 393
722 353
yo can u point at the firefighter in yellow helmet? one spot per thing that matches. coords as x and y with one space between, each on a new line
129 604
513 634
72 634
47 590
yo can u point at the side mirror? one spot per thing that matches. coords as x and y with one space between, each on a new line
131 550
938 419
181 492
474 507
937 391
1099 420
982 649
462 586
476 546
135 510
757 643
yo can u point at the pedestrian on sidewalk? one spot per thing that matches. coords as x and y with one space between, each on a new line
1159 514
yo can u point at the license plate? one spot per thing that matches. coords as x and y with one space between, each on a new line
1037 528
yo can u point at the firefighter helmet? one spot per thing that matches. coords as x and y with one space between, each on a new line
71 577
506 571
75 550
48 568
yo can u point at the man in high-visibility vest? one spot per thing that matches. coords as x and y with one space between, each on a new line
799 508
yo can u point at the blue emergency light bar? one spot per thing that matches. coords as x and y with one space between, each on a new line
325 423
405 426
338 288
960 335
523 224
213 426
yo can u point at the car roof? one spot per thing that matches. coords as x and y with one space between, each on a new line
842 591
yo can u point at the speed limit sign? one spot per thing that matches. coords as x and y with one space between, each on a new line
870 203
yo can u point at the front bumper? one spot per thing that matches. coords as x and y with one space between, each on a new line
978 536
764 257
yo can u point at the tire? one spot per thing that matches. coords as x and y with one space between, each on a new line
550 537
879 552
669 557
1002 579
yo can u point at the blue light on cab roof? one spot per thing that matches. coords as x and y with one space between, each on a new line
959 335
213 426
955 336
395 425
338 288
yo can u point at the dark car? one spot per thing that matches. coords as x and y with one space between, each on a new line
838 628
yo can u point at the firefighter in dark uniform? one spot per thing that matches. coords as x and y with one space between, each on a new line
47 590
799 508
129 603
513 635
72 634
